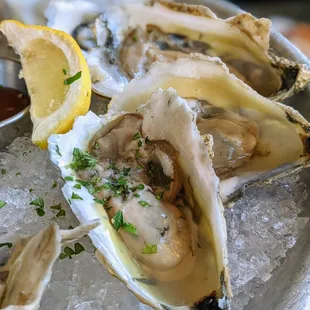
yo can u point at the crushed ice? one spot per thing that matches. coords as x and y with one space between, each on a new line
262 226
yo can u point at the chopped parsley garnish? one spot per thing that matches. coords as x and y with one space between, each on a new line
2 204
56 207
118 220
18 174
38 202
77 186
69 178
139 143
62 212
54 184
136 136
30 190
3 171
69 201
121 180
138 154
139 167
140 187
159 196
78 248
130 228
8 244
40 212
126 171
144 203
73 78
70 227
149 249
118 223
134 38
96 146
136 195
65 71
82 160
76 196
147 141
68 252
106 186
57 150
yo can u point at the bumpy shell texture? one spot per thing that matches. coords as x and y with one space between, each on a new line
166 117
26 274
132 36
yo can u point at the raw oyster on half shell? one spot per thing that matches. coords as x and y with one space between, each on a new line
148 176
130 37
254 139
26 274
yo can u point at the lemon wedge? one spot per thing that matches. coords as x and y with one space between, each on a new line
56 74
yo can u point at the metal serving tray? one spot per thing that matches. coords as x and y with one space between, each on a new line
289 285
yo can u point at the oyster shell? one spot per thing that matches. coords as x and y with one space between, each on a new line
142 161
254 139
21 285
130 37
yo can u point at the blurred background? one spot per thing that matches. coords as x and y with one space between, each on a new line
291 18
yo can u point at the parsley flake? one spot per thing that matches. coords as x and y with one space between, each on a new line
77 186
2 204
118 220
54 184
69 178
144 203
8 244
73 78
76 196
56 207
130 228
38 202
136 136
40 212
82 160
139 143
65 71
136 195
78 248
149 249
18 174
140 187
3 171
147 141
62 212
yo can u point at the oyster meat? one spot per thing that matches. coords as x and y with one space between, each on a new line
22 285
149 177
254 139
130 37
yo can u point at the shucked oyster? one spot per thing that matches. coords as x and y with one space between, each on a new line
254 138
133 36
150 180
25 276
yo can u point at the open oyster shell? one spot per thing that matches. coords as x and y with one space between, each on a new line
136 154
22 285
130 37
254 139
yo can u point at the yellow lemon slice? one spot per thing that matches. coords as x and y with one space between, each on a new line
56 74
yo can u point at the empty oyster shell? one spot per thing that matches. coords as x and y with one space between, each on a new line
254 139
157 196
21 285
130 37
